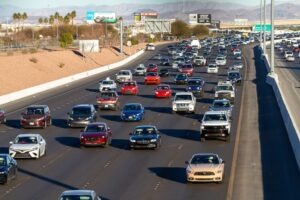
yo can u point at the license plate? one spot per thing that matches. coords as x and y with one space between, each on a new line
31 123
130 117
106 106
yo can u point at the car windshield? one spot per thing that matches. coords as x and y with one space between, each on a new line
123 73
234 75
220 58
107 94
76 197
81 111
132 107
107 82
224 87
144 131
163 70
215 117
26 140
181 76
151 66
35 111
194 82
163 88
205 159
2 161
221 104
183 97
140 68
212 66
151 74
95 128
187 66
130 84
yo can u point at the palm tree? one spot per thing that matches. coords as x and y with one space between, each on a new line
51 19
67 18
23 17
41 20
73 15
46 20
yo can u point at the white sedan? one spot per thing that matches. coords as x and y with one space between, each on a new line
221 61
107 84
212 68
30 145
205 167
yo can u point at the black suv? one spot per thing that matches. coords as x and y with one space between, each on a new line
8 168
81 115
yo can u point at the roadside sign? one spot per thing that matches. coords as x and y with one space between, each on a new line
258 27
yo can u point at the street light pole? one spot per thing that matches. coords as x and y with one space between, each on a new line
260 35
121 35
272 36
265 16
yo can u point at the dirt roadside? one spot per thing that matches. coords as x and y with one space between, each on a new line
20 71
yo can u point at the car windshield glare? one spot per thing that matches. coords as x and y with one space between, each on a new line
81 111
95 128
132 107
215 117
145 131
205 159
183 97
35 111
26 140
76 197
2 161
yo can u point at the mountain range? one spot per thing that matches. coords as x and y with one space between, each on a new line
166 10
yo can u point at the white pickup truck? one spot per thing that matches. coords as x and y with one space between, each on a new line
199 61
184 102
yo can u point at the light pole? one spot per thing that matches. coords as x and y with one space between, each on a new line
260 35
121 35
265 16
272 36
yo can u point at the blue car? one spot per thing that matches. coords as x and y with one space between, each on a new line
133 112
196 86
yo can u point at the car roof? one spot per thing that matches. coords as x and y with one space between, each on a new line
205 154
133 104
78 192
221 100
37 106
214 112
28 135
163 85
82 105
184 93
97 123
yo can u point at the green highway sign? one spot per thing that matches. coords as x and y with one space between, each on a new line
259 27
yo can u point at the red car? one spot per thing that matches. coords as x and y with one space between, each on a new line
152 78
296 49
163 91
187 69
108 100
152 68
130 87
36 116
2 116
96 134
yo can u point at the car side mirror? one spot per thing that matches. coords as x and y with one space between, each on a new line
11 142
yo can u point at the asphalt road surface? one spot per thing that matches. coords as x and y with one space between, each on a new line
116 172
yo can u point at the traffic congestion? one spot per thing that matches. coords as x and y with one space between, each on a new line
193 82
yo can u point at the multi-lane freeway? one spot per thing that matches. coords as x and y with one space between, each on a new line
117 172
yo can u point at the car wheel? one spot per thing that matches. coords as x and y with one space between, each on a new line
39 155
50 122
202 139
5 180
45 125
4 121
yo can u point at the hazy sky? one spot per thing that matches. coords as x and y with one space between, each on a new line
56 3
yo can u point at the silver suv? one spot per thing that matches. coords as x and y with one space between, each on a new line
184 102
215 124
225 90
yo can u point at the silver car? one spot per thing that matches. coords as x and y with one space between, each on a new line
79 194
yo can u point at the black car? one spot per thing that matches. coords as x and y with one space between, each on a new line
165 62
163 72
196 86
181 79
81 115
235 77
145 136
8 168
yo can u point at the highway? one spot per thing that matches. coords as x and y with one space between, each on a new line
116 172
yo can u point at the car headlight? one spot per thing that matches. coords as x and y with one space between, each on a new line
201 127
34 148
227 126
198 88
70 118
191 106
103 136
88 118
219 171
123 114
174 106
153 140
231 94
132 140
189 88
2 172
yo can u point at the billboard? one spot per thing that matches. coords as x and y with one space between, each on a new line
199 18
142 16
100 17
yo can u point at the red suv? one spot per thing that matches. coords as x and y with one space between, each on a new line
96 134
130 87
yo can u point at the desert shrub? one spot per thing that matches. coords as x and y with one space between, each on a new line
65 40
33 59
61 65
10 53
33 50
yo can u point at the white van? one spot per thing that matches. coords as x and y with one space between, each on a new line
195 43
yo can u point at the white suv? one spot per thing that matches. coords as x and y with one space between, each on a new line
124 76
107 84
184 102
215 124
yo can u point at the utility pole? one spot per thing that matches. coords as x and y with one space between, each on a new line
260 35
272 37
